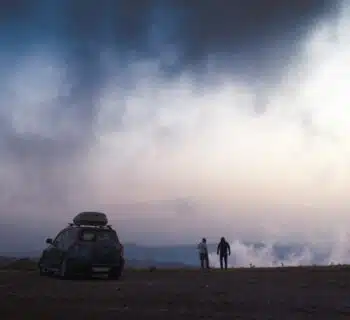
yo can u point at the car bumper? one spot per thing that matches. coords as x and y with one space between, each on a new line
88 267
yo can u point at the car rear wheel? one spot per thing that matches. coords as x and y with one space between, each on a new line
42 270
115 273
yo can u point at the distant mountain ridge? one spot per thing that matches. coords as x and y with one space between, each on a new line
172 255
187 254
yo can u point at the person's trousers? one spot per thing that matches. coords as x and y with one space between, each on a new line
204 260
223 261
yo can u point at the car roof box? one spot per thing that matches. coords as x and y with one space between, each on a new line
90 218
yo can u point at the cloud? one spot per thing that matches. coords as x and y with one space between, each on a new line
131 115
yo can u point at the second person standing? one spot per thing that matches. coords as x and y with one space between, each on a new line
223 250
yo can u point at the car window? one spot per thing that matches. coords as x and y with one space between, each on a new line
105 235
98 235
63 240
70 237
58 241
88 235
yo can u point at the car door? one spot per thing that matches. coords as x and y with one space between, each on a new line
58 249
51 251
66 240
71 238
47 255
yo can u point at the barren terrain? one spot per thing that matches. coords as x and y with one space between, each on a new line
283 293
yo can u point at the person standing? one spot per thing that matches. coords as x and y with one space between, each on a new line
203 254
223 251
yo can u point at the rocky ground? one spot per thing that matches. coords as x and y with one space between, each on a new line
284 293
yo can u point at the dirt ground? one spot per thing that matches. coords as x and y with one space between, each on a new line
285 293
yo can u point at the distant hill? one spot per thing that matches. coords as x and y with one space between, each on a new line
180 254
132 263
138 256
164 256
188 255
6 260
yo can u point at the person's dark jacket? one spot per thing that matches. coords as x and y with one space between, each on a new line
224 248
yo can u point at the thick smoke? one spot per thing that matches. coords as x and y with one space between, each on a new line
279 255
276 255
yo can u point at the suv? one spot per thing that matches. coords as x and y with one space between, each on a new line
84 249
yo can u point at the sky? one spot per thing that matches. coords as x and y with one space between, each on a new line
178 119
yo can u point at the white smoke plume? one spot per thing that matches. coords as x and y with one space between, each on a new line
272 255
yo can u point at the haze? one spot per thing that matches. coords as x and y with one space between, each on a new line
179 120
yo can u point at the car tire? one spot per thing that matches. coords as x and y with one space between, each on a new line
115 273
42 270
64 272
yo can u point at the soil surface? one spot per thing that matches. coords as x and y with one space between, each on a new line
283 293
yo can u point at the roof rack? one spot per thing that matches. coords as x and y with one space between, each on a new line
90 218
109 227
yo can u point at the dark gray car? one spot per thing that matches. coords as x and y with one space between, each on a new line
83 250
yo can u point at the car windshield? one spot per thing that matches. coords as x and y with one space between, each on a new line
98 235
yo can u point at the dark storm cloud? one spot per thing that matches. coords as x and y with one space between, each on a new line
251 33
241 33
253 40
248 39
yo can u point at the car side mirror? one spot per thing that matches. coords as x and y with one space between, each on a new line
49 241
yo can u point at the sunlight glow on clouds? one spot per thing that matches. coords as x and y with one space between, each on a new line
177 141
